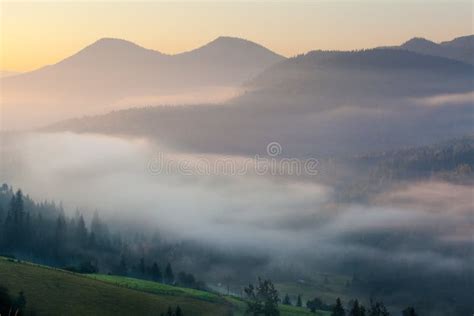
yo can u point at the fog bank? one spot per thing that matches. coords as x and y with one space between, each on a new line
417 225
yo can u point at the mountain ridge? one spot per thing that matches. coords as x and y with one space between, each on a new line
107 44
320 103
460 48
115 73
372 72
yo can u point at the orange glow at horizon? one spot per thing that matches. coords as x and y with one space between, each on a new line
34 34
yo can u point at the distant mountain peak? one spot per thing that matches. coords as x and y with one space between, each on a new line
109 51
417 39
111 40
234 45
231 39
109 43
460 48
419 42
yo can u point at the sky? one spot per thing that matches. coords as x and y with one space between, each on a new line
38 33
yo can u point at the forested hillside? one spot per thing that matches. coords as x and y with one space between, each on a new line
42 232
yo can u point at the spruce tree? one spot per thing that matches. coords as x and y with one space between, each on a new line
81 232
262 299
156 273
141 266
299 302
355 309
122 268
60 235
169 276
377 309
338 310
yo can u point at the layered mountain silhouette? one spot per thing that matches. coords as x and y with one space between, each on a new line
461 48
322 78
319 103
112 72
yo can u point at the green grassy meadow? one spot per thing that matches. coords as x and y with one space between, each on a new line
51 291
56 292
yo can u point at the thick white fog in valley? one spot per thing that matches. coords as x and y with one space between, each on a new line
274 215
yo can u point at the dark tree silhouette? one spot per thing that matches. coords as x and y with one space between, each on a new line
60 235
409 311
338 310
81 232
169 276
122 267
187 279
15 222
299 301
156 273
141 266
314 304
357 309
377 309
262 299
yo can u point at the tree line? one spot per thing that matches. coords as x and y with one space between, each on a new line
263 300
41 232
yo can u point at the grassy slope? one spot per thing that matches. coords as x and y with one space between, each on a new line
66 293
156 288
239 305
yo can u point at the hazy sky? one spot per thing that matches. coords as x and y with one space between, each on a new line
37 33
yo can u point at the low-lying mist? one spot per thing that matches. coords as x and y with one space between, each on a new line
421 225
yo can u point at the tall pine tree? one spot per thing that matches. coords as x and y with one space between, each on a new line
338 310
